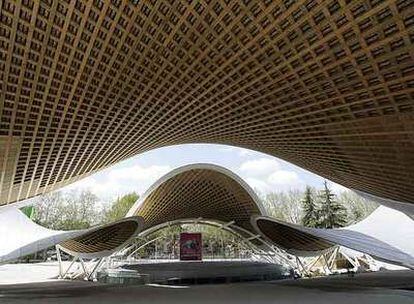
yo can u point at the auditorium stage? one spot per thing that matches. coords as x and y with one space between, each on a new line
202 272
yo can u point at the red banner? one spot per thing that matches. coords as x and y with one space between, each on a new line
190 247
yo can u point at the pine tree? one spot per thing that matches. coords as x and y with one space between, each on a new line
332 214
120 207
310 210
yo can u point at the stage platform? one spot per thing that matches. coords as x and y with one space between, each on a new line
368 288
207 272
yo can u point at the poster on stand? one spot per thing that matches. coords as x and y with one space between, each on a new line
190 247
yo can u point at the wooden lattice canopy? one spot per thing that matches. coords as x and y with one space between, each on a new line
103 241
304 241
291 239
198 191
326 85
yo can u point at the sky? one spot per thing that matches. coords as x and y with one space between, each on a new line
264 173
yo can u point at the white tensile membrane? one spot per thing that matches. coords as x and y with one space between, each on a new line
386 235
389 226
20 236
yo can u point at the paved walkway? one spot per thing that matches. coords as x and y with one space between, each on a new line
333 290
29 273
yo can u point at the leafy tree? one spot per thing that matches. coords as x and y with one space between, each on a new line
331 213
120 207
216 242
66 211
48 209
310 210
273 204
285 206
357 206
28 211
80 210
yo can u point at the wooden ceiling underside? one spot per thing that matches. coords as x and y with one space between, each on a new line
199 193
326 85
104 239
292 240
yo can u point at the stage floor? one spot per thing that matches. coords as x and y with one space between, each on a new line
202 272
381 287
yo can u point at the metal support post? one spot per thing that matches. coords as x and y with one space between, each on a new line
83 267
92 275
59 257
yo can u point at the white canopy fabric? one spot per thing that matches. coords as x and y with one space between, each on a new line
390 226
390 240
20 236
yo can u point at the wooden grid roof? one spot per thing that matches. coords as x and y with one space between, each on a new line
291 239
103 239
326 85
191 193
306 241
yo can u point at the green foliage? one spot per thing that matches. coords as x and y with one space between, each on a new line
78 210
294 206
66 211
217 243
357 206
332 214
310 210
28 211
120 207
81 209
285 206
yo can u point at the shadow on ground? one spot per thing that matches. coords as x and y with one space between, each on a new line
387 287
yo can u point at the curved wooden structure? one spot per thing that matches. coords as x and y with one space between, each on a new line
213 193
20 236
326 85
305 241
291 239
103 240
198 191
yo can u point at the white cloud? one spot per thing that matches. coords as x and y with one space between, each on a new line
138 173
258 185
241 152
102 189
283 180
266 175
120 181
260 171
259 167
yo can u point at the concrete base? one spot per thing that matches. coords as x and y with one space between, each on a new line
28 273
390 287
208 272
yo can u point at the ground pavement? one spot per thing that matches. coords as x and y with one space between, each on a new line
383 287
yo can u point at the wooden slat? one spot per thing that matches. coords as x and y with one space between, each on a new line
196 193
292 239
107 238
326 85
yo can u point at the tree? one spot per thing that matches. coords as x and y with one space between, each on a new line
357 206
332 214
285 206
120 207
66 210
80 210
28 211
273 204
310 210
48 209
